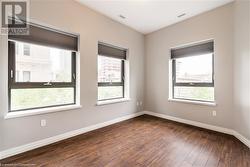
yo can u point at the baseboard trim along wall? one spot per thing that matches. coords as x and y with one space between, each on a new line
27 147
189 122
202 125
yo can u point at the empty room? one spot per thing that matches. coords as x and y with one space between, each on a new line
125 83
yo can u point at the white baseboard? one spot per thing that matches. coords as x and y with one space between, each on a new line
47 141
242 138
27 147
189 122
202 125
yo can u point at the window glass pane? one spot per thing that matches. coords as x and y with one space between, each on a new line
26 76
110 92
26 50
17 75
17 48
42 97
194 93
109 69
195 69
46 64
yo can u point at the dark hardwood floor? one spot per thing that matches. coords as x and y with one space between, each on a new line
142 141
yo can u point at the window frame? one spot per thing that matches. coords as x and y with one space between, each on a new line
28 49
190 84
12 84
110 84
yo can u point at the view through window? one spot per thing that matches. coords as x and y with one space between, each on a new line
110 78
193 76
42 79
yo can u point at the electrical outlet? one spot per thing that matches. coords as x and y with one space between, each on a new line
214 113
43 122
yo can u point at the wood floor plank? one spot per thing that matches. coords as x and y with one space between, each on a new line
214 157
139 142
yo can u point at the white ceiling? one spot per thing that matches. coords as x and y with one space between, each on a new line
147 16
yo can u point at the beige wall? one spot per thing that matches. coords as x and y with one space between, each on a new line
92 27
216 24
242 67
232 92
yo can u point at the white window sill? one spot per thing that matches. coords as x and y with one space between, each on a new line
193 102
106 102
40 111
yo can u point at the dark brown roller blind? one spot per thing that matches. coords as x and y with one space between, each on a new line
110 51
204 48
48 37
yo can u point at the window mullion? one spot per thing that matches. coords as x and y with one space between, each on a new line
21 85
192 84
110 83
11 50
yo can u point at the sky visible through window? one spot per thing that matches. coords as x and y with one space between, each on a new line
194 69
45 64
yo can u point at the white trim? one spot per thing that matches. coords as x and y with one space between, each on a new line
189 122
47 141
202 125
193 102
105 102
40 111
242 138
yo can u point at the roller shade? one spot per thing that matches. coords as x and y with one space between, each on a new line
48 37
204 48
109 51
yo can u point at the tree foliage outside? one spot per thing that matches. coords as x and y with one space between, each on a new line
36 98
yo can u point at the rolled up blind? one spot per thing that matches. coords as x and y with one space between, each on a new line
204 48
41 35
110 51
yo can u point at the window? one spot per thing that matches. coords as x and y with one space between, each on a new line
17 49
26 76
26 50
47 78
193 73
17 75
110 72
52 82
